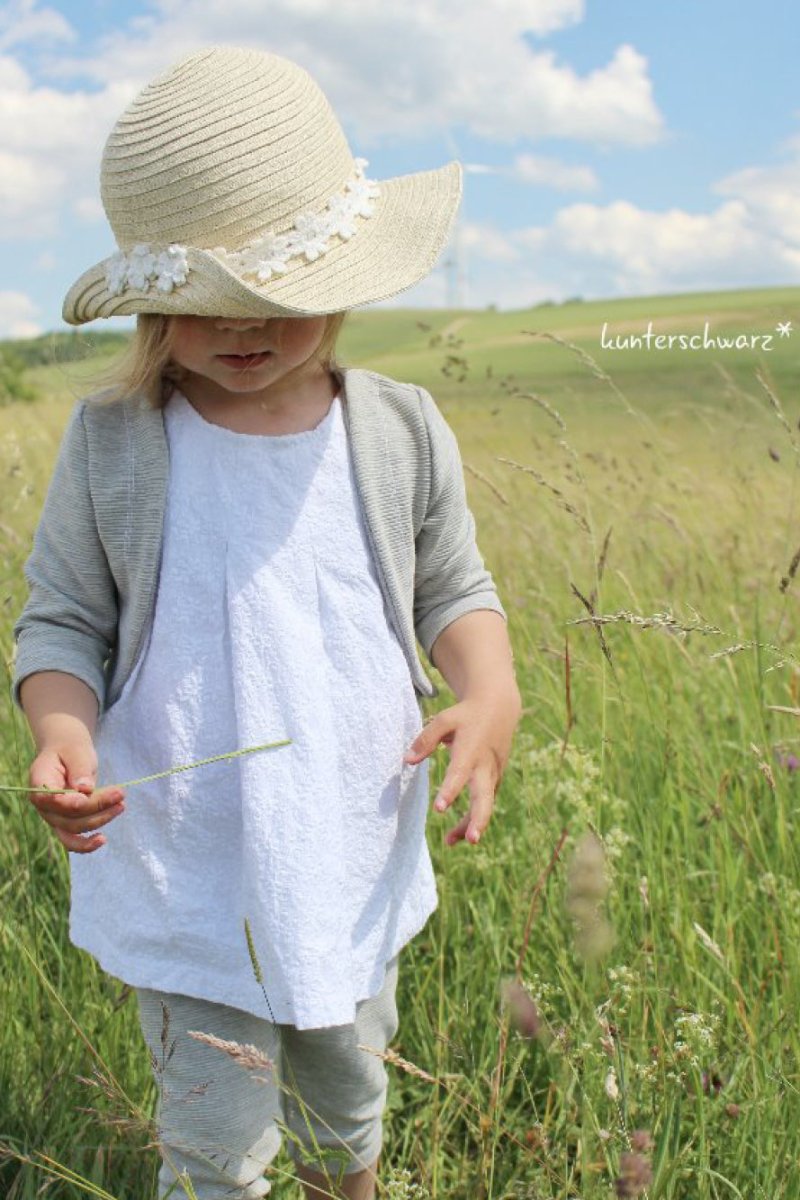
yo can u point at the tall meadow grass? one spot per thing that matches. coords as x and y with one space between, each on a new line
604 1001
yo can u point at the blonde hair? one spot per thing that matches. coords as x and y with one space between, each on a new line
146 367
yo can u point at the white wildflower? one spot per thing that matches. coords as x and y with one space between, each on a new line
400 1186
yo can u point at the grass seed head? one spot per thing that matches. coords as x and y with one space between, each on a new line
245 1054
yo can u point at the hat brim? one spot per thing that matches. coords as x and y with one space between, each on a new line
391 251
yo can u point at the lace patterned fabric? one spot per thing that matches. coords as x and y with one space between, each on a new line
271 254
269 623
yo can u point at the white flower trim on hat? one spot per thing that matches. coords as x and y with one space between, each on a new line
271 254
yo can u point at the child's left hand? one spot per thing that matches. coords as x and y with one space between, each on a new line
479 733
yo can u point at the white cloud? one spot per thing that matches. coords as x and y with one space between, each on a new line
622 249
534 16
460 64
550 172
89 208
50 145
26 191
486 242
541 171
751 238
16 313
772 194
23 21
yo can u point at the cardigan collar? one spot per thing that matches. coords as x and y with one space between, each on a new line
367 428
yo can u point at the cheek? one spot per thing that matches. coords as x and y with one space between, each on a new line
304 338
186 345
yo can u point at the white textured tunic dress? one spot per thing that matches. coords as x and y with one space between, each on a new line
269 623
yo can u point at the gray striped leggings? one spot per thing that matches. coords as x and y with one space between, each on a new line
219 1121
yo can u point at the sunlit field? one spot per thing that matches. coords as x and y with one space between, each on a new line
605 1002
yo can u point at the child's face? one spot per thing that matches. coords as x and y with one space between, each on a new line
244 356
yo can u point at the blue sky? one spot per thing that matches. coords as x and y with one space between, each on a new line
612 148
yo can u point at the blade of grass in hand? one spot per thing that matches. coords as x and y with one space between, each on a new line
160 774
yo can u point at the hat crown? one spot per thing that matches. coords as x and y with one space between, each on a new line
226 144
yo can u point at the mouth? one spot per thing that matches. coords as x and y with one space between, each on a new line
243 362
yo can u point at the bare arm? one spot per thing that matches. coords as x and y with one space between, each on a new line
58 706
474 655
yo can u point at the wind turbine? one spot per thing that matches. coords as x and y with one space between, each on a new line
455 265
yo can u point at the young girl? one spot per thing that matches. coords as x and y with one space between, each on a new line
240 547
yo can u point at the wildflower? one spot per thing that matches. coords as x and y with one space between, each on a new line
400 1186
711 1081
586 889
635 1175
536 1138
522 1010
641 1141
610 1085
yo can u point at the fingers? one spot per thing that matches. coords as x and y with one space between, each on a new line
69 808
438 729
482 792
458 833
71 813
85 845
86 814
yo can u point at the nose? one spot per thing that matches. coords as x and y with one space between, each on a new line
240 323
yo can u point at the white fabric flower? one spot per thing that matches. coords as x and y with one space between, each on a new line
360 194
313 229
141 267
268 256
342 218
117 274
172 268
167 267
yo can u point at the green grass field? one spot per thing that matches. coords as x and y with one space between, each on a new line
639 510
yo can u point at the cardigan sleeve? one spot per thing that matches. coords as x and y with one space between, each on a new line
69 622
450 578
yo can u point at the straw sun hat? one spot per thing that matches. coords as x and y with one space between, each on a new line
231 191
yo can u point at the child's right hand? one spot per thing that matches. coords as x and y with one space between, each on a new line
80 808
